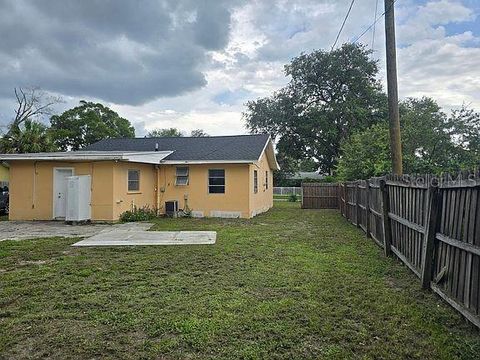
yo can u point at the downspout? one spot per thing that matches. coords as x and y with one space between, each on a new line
157 193
34 187
92 166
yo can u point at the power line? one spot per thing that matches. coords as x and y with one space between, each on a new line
374 23
343 24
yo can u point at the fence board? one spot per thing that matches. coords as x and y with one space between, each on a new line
320 196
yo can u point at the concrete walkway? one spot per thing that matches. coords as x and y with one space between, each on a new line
103 234
21 230
127 237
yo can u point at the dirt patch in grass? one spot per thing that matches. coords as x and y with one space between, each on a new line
287 284
33 262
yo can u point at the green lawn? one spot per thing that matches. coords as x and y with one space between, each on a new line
288 284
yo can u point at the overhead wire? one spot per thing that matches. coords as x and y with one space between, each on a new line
343 24
373 24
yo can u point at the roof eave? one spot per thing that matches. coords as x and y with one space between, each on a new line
269 150
199 162
150 157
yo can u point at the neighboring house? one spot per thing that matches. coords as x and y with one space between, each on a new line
224 176
4 173
304 175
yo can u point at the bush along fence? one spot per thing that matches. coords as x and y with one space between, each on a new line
432 224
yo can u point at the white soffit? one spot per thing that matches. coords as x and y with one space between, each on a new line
147 158
150 157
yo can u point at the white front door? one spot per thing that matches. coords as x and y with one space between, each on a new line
60 192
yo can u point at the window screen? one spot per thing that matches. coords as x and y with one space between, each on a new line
266 180
133 180
181 176
255 181
216 181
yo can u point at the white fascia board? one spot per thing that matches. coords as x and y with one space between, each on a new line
149 157
199 162
269 146
38 157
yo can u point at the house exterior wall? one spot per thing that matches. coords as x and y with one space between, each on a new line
31 189
234 203
263 199
123 199
4 174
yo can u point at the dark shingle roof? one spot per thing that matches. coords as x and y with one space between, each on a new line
239 147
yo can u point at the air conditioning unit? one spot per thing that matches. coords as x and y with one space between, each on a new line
171 208
78 198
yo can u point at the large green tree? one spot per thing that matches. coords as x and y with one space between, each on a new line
87 123
330 96
432 142
464 126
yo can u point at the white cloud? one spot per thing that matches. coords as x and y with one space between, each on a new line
433 63
247 58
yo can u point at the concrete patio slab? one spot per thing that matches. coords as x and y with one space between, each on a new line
21 230
119 237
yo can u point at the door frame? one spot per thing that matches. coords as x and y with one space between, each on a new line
54 186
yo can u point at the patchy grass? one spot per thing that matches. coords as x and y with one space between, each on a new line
288 284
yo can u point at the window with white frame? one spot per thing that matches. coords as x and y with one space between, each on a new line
266 180
255 181
216 181
133 180
181 177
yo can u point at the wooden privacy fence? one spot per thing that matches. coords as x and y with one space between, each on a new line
319 196
431 224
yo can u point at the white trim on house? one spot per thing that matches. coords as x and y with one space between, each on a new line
148 157
272 159
199 162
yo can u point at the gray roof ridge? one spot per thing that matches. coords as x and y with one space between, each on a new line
191 137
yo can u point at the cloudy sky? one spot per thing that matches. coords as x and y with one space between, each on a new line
194 63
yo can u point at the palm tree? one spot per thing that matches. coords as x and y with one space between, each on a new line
32 136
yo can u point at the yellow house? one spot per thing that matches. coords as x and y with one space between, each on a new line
4 172
224 176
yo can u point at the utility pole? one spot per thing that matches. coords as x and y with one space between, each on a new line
392 87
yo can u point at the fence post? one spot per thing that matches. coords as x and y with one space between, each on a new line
340 204
367 208
337 188
387 234
357 202
431 222
301 201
